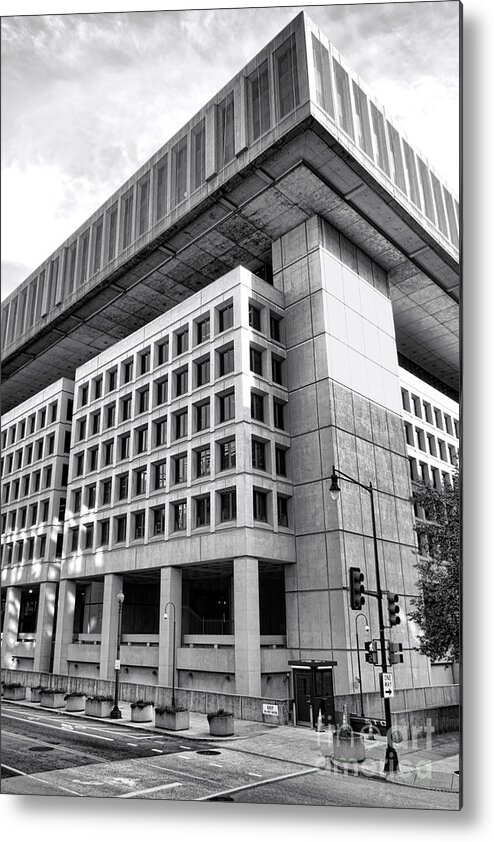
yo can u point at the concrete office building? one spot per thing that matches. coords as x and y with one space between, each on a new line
292 197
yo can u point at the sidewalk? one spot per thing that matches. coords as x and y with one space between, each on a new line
423 764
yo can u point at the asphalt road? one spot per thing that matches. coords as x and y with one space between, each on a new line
48 753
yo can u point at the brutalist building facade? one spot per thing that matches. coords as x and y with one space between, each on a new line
246 312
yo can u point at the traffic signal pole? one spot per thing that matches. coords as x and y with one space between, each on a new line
391 762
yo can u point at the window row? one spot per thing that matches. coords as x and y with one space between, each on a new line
34 452
33 423
32 483
427 442
346 103
32 515
423 472
141 524
29 549
141 363
422 409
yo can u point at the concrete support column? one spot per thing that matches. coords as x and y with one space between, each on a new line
44 626
247 626
10 625
171 591
109 625
65 625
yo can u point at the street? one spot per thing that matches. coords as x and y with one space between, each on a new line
50 753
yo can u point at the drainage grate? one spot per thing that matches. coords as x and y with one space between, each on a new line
41 748
208 751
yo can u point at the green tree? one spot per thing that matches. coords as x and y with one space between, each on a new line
437 605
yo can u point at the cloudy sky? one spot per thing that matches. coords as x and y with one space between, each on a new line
88 98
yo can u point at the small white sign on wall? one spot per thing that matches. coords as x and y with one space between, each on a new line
270 709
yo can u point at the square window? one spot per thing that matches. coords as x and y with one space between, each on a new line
257 406
260 504
225 318
203 327
228 454
203 462
179 516
226 406
254 317
203 511
228 505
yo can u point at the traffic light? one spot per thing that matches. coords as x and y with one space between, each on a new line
356 579
371 654
395 652
393 609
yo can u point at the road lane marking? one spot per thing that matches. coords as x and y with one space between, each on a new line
187 748
201 778
134 745
257 784
146 791
254 775
11 769
220 765
59 728
157 750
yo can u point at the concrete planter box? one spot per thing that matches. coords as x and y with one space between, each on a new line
221 725
179 720
75 703
52 698
95 707
36 694
142 713
14 694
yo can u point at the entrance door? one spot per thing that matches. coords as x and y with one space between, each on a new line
323 695
303 696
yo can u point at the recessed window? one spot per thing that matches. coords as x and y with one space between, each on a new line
256 361
203 511
226 406
97 387
91 496
160 184
180 468
258 455
260 505
203 461
74 539
225 317
108 452
257 406
202 369
198 153
139 525
225 131
76 501
409 434
159 475
179 171
420 439
143 205
254 317
121 529
141 476
181 341
126 215
279 414
141 439
83 394
405 400
181 381
104 533
180 424
202 416
112 380
285 60
228 505
124 446
88 536
161 391
277 369
226 361
160 432
259 113
144 361
448 424
126 408
162 352
203 329
95 422
123 486
143 400
106 492
159 521
438 417
179 516
127 371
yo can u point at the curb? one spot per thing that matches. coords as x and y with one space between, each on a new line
445 782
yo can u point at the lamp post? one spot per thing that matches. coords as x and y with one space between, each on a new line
358 659
391 761
165 616
116 713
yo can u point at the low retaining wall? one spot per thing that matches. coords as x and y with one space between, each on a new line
199 701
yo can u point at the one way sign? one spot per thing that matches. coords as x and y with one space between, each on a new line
387 688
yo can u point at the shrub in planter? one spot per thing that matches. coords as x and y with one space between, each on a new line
98 706
173 718
141 711
75 701
221 723
36 692
52 698
14 691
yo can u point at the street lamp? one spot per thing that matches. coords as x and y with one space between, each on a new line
116 713
358 658
391 762
165 617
